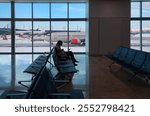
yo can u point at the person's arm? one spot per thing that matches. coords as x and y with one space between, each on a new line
60 52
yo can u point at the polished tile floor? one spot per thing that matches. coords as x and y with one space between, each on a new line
79 80
113 84
99 82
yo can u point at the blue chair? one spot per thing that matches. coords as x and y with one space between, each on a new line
130 56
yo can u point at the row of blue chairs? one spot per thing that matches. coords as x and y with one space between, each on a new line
135 60
35 68
42 86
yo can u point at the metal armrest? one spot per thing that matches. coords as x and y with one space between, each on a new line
61 81
21 83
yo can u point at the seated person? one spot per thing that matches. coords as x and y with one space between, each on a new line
64 54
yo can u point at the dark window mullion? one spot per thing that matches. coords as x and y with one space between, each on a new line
50 26
32 34
13 57
141 26
68 24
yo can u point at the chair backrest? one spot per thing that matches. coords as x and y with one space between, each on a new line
146 64
30 90
35 80
123 53
43 86
139 59
117 52
130 56
37 65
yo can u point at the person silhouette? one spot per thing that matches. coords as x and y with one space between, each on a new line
65 54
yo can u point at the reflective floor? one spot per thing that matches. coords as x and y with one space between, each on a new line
94 78
79 80
106 83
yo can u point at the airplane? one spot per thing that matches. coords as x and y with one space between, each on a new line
75 36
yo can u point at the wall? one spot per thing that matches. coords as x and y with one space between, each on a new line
109 25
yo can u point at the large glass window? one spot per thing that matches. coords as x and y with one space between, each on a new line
59 10
140 26
146 36
29 29
41 10
5 10
77 10
145 9
5 36
77 38
23 10
59 32
135 9
23 36
135 35
41 37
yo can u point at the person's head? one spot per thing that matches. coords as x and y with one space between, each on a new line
59 43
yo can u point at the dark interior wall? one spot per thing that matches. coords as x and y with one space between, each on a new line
109 25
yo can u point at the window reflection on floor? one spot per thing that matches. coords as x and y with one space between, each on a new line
23 61
5 70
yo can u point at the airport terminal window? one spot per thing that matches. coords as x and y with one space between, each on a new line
135 35
146 36
36 27
5 10
77 35
59 32
41 36
58 10
77 10
60 13
145 9
135 9
23 10
140 26
41 10
5 36
53 14
23 36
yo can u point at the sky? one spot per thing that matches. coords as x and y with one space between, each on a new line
44 10
59 10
